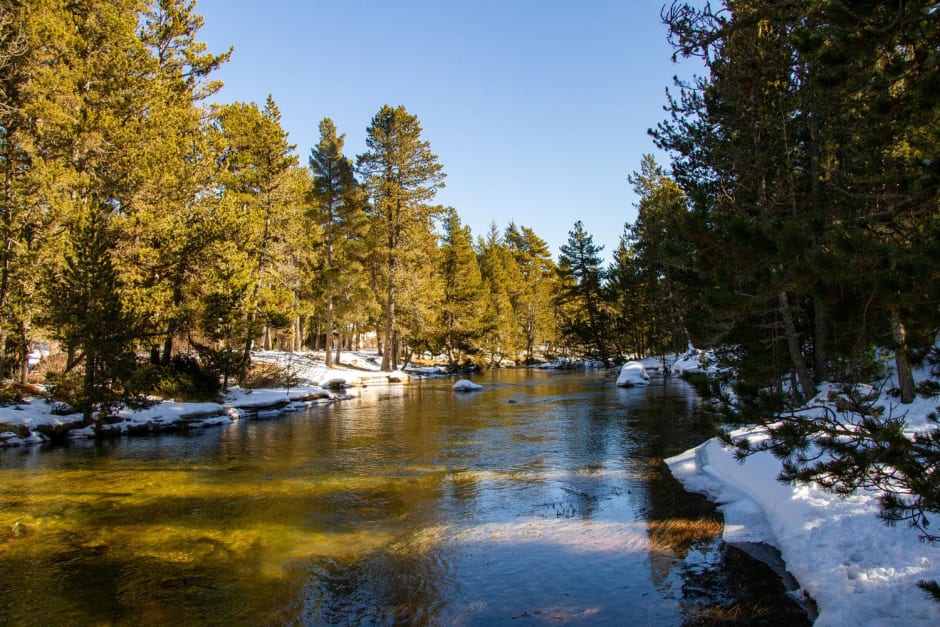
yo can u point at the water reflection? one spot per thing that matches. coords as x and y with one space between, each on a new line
543 497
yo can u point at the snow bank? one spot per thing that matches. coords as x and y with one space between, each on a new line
564 363
695 360
858 570
466 385
633 373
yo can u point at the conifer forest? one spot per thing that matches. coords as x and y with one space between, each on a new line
156 239
150 234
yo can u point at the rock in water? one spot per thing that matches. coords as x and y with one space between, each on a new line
631 374
466 385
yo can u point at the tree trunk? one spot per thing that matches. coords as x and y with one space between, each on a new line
820 341
89 391
389 355
24 352
246 353
3 344
901 361
330 339
167 347
298 331
395 349
807 389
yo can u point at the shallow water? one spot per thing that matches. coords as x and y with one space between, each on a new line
542 499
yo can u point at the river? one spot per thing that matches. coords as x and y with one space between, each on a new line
542 499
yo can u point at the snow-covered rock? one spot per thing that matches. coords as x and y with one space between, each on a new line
633 373
466 385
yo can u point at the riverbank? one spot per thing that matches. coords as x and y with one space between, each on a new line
858 570
35 420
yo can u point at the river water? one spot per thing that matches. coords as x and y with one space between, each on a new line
541 500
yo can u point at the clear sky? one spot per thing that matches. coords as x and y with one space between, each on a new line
537 109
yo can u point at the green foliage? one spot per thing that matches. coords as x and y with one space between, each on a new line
930 587
88 316
338 211
185 378
502 335
535 302
208 232
807 158
585 317
260 180
465 297
803 154
402 176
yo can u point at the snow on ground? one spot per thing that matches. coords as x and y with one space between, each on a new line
24 420
858 570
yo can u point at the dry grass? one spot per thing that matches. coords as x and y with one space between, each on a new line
677 534
736 614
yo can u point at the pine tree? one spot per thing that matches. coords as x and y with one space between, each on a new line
626 297
464 298
170 229
259 179
339 211
87 314
534 301
806 157
659 253
502 336
62 137
579 266
402 176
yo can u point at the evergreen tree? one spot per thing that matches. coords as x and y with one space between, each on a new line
806 157
582 274
658 255
87 314
502 335
420 296
66 131
170 229
464 298
402 176
629 331
533 303
260 180
339 211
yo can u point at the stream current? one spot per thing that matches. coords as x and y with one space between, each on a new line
542 499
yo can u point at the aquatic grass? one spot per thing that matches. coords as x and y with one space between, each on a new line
678 534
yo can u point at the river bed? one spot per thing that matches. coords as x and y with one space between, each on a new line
541 499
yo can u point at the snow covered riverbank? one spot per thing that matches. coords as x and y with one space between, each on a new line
30 421
858 570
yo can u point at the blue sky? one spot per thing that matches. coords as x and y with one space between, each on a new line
537 109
